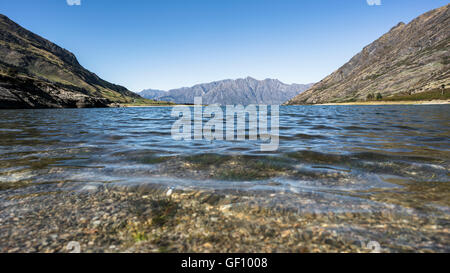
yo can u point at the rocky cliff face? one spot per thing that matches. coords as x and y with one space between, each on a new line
410 58
36 73
241 91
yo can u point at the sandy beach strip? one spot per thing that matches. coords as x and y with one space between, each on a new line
431 102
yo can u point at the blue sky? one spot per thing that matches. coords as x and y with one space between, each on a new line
165 44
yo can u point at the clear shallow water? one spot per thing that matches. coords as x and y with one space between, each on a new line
340 158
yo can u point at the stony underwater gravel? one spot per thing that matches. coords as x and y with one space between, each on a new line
142 219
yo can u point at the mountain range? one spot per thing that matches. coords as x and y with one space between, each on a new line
228 92
410 58
36 73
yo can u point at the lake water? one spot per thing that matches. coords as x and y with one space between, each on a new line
330 158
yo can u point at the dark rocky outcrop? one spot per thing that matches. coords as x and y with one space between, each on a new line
18 93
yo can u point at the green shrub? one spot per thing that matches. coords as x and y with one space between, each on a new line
435 94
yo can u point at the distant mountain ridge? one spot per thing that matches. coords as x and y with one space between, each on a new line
152 93
227 92
409 59
36 73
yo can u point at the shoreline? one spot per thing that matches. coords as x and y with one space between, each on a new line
142 106
151 106
362 103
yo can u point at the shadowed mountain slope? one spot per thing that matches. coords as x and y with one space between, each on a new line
36 73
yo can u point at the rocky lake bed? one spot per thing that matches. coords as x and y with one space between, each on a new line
137 219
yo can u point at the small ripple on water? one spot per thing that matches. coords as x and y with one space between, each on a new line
322 151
